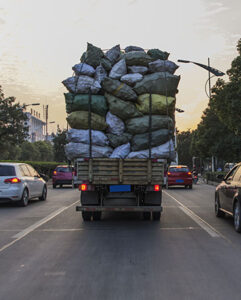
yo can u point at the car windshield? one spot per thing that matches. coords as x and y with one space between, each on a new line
7 170
181 169
64 169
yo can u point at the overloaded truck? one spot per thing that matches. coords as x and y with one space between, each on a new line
121 110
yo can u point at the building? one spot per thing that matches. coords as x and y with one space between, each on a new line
35 126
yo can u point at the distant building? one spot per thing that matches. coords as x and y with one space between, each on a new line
35 126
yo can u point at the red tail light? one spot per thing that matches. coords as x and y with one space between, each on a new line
83 187
54 172
12 180
156 187
168 173
189 173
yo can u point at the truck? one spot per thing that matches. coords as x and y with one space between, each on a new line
111 184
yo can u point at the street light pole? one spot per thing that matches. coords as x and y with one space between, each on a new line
175 134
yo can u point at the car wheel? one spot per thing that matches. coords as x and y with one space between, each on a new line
167 186
97 216
54 186
61 186
185 186
24 200
156 215
218 212
237 216
44 194
86 215
146 215
190 186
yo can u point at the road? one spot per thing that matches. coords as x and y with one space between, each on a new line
47 252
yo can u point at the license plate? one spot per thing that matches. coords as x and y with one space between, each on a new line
179 181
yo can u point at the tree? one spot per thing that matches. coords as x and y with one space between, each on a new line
184 140
60 141
12 117
29 152
45 150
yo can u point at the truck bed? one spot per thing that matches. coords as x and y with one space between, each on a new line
111 171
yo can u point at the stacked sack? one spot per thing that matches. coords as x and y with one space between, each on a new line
120 84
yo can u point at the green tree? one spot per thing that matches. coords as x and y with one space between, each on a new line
184 141
12 117
45 149
60 141
29 152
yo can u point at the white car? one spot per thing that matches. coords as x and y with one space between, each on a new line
20 182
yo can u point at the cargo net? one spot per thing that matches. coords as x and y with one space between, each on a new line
121 104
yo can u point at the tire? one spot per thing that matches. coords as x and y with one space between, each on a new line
86 215
237 216
60 186
185 186
146 215
190 186
24 200
167 186
97 215
218 212
43 197
54 186
76 186
156 215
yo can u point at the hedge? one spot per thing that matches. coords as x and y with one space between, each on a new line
43 167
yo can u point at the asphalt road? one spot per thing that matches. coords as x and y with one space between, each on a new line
47 252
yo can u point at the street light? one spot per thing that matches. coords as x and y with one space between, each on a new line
175 133
33 104
210 69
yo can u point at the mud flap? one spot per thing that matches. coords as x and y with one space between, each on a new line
89 198
153 198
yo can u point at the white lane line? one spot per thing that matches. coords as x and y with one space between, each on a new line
203 224
31 228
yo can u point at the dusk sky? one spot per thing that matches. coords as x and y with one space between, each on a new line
40 41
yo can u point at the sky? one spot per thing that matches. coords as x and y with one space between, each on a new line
40 41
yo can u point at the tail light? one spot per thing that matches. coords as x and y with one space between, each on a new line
168 173
12 180
156 187
83 187
54 172
189 173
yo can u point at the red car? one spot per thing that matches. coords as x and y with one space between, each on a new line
62 175
179 175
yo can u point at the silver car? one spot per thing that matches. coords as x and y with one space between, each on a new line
20 182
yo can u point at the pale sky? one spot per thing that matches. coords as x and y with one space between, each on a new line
40 41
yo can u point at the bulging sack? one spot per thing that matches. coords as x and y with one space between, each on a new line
138 69
93 55
158 54
158 137
121 151
122 109
141 125
118 70
82 136
165 151
162 66
117 140
78 150
83 69
160 104
100 74
115 124
133 48
119 89
80 120
158 83
137 58
131 79
113 54
80 102
82 84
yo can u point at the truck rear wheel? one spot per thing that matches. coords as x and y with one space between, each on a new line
146 215
156 215
86 215
97 215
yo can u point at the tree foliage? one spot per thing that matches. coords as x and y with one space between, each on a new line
60 141
184 141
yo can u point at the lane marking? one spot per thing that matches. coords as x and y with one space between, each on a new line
54 274
203 224
31 228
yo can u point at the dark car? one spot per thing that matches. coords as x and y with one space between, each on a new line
62 175
179 175
228 196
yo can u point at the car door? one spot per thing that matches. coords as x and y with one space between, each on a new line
233 188
27 178
227 191
37 182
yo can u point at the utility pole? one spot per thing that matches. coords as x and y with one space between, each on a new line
46 116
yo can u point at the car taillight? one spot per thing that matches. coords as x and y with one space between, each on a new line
168 173
189 173
54 172
83 187
12 180
156 187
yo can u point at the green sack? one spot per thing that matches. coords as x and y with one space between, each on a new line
117 140
141 125
79 120
158 83
137 58
122 109
159 104
158 137
93 55
158 54
81 102
119 89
